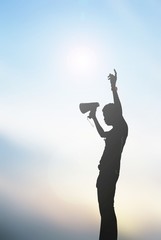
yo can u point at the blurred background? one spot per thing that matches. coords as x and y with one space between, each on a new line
53 56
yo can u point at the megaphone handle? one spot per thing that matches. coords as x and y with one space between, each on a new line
91 113
89 116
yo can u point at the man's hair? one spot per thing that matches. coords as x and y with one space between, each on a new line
112 111
109 109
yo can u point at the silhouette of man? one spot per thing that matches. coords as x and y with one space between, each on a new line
109 165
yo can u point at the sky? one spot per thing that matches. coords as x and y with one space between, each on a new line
55 55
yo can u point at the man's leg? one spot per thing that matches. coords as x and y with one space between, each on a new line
108 228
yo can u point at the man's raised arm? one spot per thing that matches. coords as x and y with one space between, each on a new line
113 79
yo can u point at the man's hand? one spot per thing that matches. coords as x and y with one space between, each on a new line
113 79
92 114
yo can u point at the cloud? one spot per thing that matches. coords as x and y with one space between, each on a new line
23 224
19 161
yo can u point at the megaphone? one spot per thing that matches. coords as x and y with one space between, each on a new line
86 107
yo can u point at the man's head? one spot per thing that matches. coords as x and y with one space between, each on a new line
110 114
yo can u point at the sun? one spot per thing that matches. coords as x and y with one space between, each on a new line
81 60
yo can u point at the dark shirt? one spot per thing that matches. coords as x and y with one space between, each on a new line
114 143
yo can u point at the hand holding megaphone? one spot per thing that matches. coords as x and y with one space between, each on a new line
89 107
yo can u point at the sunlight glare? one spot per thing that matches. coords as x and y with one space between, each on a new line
81 60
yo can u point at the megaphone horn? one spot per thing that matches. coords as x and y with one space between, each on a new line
86 107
